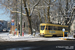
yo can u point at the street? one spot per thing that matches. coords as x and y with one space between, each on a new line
35 43
37 24
40 45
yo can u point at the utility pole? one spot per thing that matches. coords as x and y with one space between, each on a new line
21 20
16 16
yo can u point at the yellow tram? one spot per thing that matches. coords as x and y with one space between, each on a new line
47 29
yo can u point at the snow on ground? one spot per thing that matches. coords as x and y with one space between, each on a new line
26 37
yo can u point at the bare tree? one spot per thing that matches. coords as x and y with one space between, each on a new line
29 15
11 6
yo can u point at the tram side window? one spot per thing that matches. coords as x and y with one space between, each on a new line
42 27
55 28
59 28
50 28
66 28
46 28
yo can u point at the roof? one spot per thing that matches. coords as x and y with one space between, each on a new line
52 24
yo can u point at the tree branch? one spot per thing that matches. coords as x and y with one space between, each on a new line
14 11
34 7
18 12
46 2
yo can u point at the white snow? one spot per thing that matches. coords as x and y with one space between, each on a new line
26 37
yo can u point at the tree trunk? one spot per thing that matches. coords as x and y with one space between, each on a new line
40 17
48 14
29 24
66 6
28 17
45 16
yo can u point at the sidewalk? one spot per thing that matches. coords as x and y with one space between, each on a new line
10 37
26 37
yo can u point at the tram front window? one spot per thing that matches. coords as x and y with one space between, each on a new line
42 27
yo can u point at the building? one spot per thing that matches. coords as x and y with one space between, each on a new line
3 25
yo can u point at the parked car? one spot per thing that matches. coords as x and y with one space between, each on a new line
5 30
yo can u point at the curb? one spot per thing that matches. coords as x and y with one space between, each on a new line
66 39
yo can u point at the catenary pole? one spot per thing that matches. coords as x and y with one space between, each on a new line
21 21
16 16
